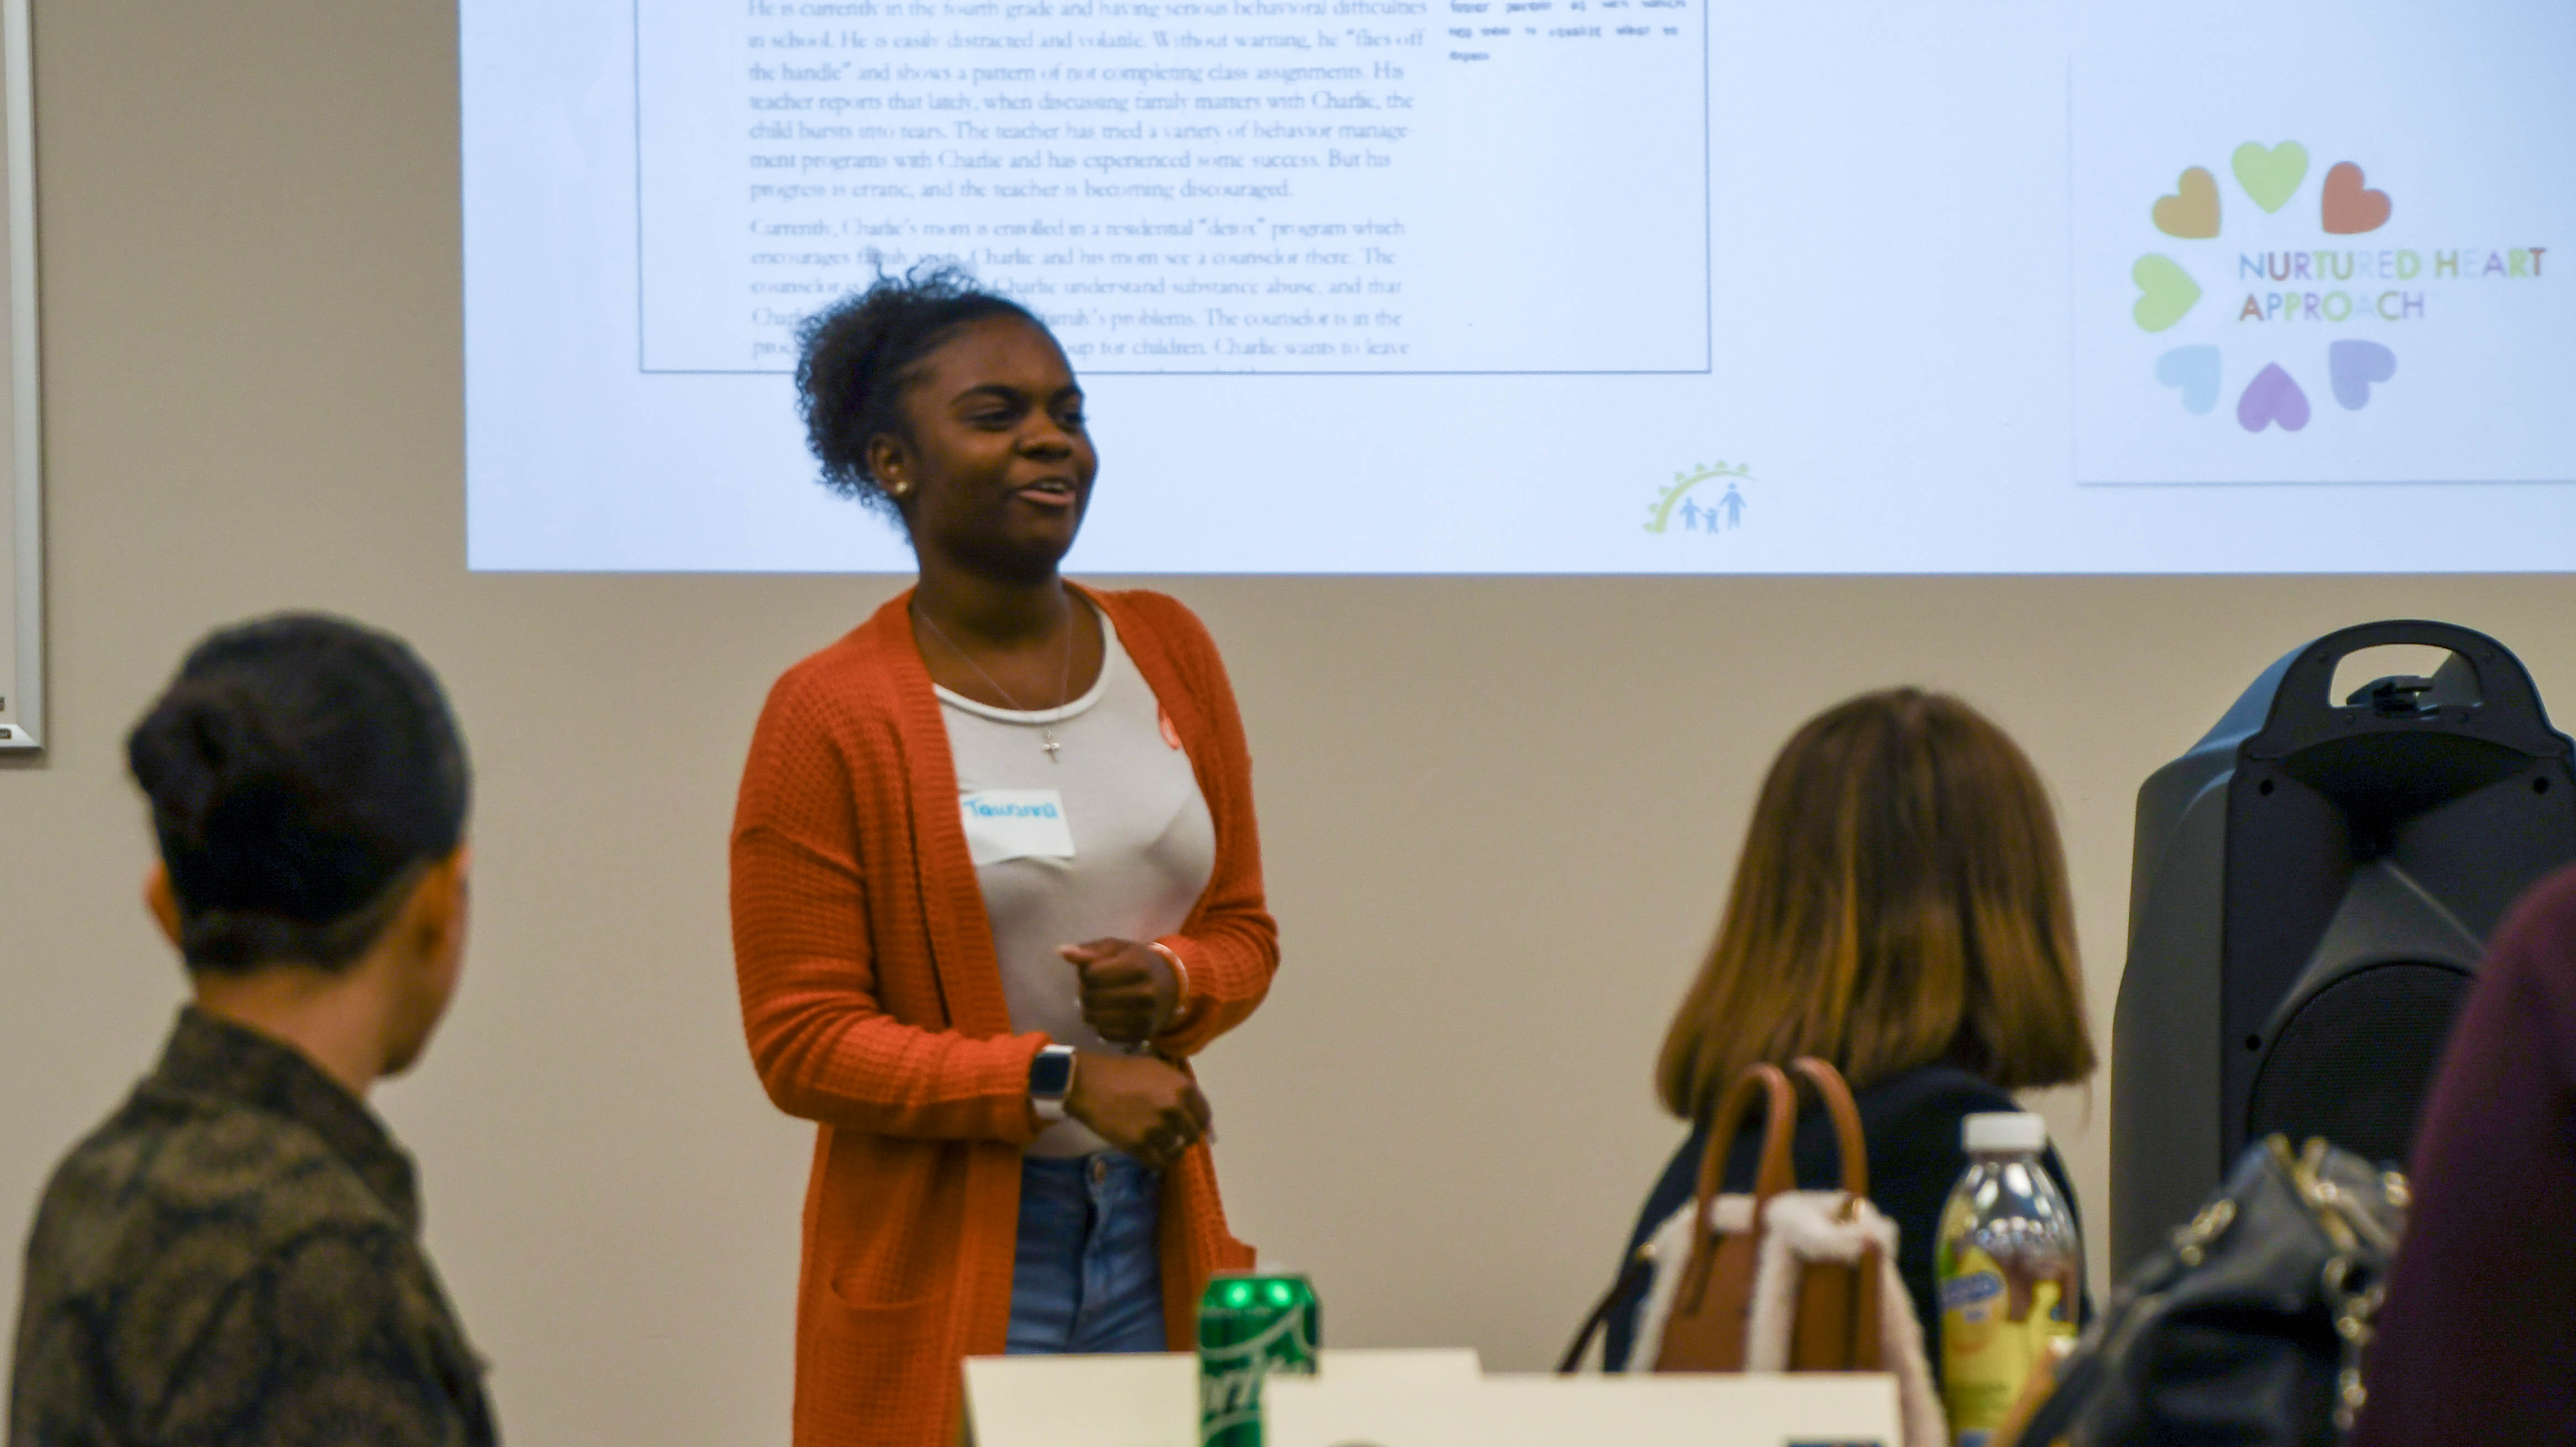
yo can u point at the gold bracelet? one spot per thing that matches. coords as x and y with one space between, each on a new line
1180 977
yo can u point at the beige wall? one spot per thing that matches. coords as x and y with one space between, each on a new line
1498 813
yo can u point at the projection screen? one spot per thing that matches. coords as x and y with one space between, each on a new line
1550 286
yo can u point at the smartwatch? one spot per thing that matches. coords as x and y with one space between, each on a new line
1051 1080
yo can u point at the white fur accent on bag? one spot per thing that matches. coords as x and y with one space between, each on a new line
1670 1249
1812 1226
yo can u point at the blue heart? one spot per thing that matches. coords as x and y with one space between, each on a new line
2194 371
2354 366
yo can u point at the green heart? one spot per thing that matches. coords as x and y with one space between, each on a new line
2165 292
2271 177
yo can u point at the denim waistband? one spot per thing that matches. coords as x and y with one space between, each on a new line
1111 1171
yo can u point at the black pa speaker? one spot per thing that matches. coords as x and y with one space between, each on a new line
2313 885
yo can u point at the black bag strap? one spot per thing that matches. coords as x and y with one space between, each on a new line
1634 1271
1763 1087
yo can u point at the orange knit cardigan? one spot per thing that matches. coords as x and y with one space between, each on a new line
873 1002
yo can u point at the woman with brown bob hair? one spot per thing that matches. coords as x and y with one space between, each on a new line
1901 910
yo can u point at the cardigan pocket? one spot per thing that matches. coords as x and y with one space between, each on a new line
872 1373
848 1292
876 1329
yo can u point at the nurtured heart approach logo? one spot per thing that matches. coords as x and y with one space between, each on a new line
2331 290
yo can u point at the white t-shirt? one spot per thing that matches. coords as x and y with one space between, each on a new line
1108 839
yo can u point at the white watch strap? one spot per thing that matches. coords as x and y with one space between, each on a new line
1051 1107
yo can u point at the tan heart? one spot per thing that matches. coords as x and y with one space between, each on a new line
2192 211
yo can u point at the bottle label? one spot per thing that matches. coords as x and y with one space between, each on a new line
1995 1326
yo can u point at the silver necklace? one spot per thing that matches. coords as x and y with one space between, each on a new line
1064 687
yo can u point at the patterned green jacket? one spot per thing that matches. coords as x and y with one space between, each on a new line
234 1257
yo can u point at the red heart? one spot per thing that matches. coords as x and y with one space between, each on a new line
2350 210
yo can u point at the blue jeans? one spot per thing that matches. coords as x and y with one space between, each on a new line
1089 1274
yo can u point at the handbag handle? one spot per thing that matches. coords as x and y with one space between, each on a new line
1777 1173
1849 1140
1779 1101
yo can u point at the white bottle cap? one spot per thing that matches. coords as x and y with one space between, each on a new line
2004 1130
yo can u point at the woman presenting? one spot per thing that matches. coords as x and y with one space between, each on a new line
995 876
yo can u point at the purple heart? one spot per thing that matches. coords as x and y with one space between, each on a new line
2272 397
2354 366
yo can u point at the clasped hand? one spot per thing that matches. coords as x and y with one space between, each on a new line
1128 993
1146 1107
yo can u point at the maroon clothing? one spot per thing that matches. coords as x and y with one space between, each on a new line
2477 1342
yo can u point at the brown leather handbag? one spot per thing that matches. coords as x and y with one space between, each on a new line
1837 1326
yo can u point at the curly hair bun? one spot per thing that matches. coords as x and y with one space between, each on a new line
858 356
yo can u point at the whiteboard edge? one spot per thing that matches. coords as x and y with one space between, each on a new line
27 446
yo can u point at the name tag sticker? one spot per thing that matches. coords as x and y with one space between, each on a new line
1015 824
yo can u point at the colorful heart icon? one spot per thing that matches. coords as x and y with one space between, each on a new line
2270 176
2166 292
2272 397
2191 212
2193 371
2354 366
2349 209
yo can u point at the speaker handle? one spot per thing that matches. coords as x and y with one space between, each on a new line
2303 710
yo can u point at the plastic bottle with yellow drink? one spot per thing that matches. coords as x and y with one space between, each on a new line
2009 1267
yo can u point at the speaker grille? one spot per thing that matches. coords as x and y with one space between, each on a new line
2353 1064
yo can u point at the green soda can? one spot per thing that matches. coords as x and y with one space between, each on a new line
1250 1325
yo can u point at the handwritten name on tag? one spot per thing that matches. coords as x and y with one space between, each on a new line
1015 824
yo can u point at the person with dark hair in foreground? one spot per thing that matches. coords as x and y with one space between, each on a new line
1901 910
235 1256
995 878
